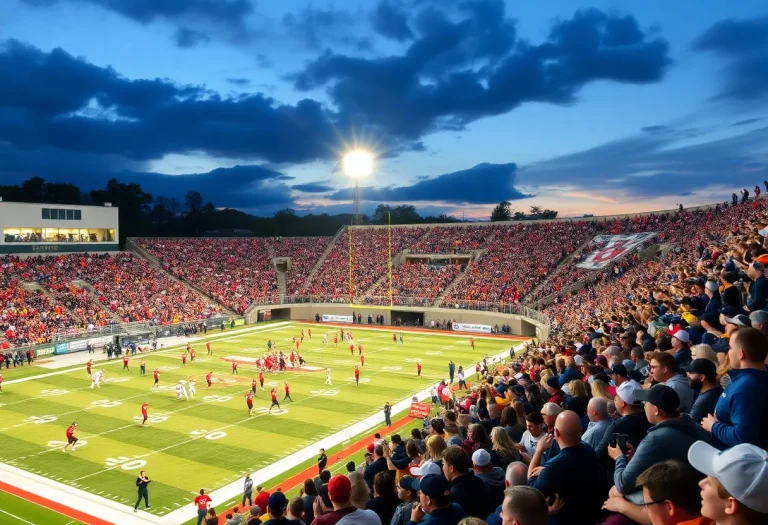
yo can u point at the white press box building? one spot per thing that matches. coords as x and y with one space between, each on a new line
57 228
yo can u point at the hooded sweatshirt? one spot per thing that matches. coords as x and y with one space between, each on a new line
494 483
667 440
684 391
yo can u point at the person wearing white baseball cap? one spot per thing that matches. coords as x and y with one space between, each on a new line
680 340
493 477
427 469
733 493
633 422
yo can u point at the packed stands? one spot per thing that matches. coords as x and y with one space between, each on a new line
370 249
420 281
27 317
452 239
233 271
304 253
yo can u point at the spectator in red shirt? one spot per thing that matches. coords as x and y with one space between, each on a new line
201 503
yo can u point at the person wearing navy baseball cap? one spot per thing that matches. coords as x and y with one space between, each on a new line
435 500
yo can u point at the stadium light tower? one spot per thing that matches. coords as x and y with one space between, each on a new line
357 164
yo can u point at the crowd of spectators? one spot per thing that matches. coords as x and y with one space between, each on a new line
233 271
304 253
452 239
417 280
27 317
370 260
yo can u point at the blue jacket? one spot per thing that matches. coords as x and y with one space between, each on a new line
742 410
758 294
715 304
399 457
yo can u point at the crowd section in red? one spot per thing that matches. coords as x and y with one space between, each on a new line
508 263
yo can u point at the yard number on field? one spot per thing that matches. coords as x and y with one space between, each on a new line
125 463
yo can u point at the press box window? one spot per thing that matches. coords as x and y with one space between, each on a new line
46 213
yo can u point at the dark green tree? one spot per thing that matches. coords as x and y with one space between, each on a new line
502 212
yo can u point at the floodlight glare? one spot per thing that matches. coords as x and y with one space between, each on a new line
358 163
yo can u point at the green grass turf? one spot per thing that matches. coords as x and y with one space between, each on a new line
17 511
179 452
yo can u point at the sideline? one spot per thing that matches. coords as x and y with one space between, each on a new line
102 362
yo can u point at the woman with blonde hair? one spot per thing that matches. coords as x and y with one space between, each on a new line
435 449
704 352
360 493
472 521
578 389
600 389
504 450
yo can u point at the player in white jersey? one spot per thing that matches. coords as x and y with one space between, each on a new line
97 378
325 339
191 387
327 376
180 392
184 389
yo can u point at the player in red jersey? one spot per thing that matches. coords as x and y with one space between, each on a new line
287 391
273 393
71 439
359 349
125 363
335 340
208 347
208 379
297 345
394 338
157 378
309 332
261 379
188 347
88 367
362 360
253 386
352 349
184 359
144 409
418 369
472 342
192 355
302 335
249 402
234 367
357 376
201 504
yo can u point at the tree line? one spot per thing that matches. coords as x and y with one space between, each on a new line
143 215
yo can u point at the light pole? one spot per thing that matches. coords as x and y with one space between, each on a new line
357 164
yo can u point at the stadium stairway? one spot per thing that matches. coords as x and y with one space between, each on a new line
280 284
79 283
34 286
478 255
322 258
155 262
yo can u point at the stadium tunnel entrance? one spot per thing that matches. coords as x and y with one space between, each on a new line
407 318
283 314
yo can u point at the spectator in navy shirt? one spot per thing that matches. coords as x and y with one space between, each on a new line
702 376
741 413
715 301
571 475
758 292
680 340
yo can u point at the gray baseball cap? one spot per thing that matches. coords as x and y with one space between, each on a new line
759 316
741 470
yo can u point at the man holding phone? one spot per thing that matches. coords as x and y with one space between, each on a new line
669 437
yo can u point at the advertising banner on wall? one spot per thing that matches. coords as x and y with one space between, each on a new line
337 318
82 344
463 327
61 348
613 247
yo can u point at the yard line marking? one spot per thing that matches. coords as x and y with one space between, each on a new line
18 518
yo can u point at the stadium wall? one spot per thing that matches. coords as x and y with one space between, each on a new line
520 325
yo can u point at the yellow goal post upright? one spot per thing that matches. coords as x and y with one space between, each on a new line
352 295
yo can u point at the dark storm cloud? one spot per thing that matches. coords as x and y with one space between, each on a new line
313 187
390 20
455 72
743 45
42 94
482 184
187 38
318 27
225 12
239 81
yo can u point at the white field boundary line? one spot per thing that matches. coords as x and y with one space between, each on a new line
102 362
14 516
395 329
281 466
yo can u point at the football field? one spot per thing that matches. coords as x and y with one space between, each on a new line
209 441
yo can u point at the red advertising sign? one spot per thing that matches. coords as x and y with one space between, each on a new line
420 410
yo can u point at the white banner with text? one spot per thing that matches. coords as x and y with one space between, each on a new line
463 327
337 318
